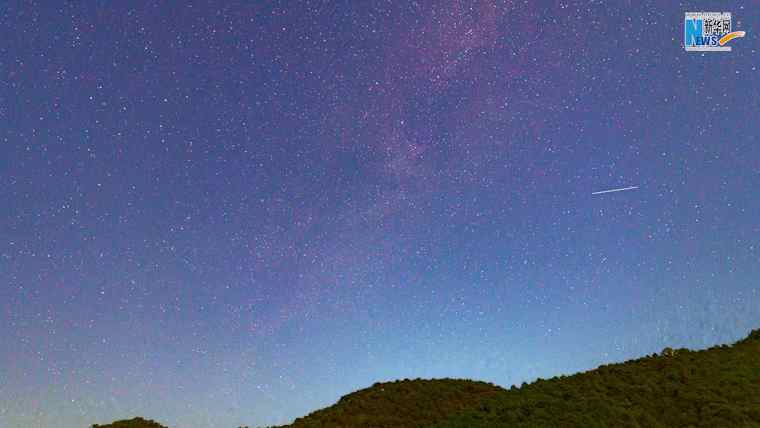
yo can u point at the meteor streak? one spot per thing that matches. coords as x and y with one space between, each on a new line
616 190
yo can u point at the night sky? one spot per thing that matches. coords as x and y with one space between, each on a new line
216 215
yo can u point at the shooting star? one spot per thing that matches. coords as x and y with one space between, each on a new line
616 190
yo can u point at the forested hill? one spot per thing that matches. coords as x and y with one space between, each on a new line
716 387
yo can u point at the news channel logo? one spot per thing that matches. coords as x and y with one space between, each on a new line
708 31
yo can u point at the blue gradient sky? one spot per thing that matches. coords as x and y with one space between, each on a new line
216 215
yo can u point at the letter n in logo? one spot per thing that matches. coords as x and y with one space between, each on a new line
692 32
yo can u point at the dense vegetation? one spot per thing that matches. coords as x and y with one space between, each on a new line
718 387
405 403
132 423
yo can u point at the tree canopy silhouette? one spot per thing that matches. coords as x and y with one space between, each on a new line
716 387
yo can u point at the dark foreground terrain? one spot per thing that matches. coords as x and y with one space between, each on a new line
717 387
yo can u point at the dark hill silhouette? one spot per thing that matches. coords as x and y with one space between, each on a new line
404 403
717 387
132 423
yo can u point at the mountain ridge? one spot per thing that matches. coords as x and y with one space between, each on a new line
714 387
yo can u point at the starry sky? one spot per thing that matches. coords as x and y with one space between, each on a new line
216 214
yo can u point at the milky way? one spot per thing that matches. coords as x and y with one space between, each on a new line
223 215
